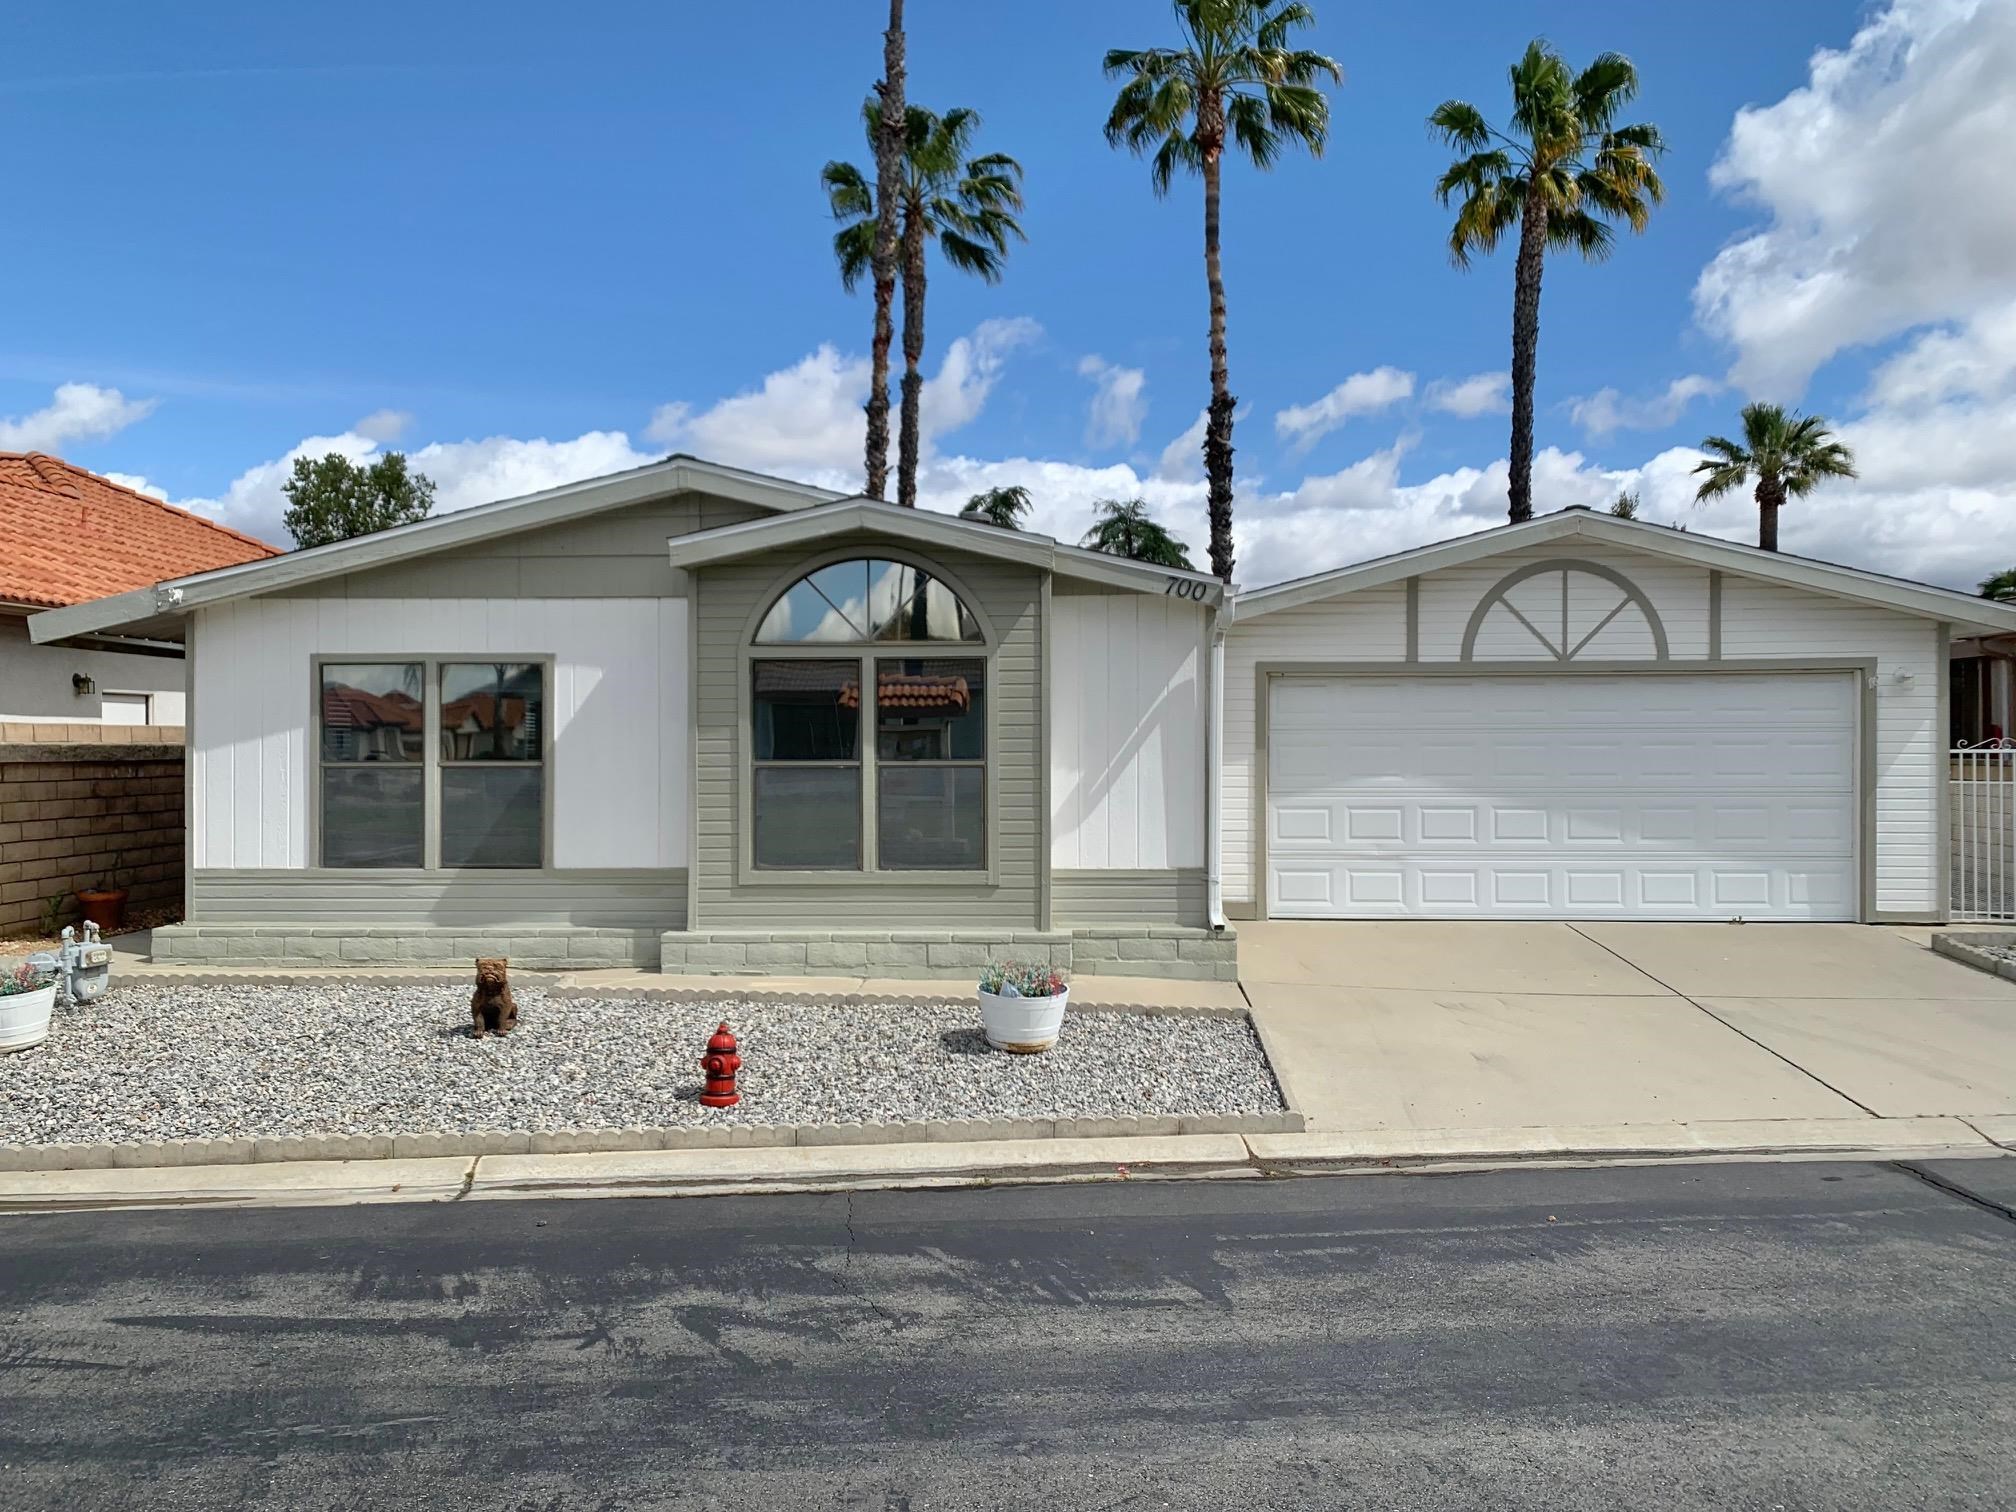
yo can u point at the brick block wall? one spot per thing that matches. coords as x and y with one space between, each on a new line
44 732
69 813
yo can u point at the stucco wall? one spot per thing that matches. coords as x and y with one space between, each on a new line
35 680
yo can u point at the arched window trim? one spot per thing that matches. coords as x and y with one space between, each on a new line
870 871
1633 594
785 582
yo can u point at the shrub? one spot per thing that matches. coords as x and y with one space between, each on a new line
20 978
1015 979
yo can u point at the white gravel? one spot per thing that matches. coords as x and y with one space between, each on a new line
207 1062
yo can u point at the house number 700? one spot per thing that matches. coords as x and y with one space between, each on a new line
1184 588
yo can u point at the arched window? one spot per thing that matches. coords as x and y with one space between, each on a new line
867 599
890 782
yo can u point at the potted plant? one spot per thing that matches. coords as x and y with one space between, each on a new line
104 901
1022 1007
27 993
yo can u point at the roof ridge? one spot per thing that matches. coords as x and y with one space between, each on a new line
54 473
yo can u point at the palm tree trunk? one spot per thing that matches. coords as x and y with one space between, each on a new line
888 192
1769 498
1218 424
1526 349
913 355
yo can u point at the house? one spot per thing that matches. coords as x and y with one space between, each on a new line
66 536
690 716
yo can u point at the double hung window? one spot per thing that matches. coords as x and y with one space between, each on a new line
435 763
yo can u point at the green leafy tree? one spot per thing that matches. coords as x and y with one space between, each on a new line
2001 587
1004 507
1563 174
1124 528
965 205
1235 81
1789 454
334 498
888 144
1625 505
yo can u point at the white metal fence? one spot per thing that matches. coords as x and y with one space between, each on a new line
1983 839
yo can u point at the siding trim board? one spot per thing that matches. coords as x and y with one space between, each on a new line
602 898
1172 896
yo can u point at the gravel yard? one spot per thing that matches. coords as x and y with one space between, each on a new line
207 1062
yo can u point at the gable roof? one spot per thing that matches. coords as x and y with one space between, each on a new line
929 528
167 596
67 535
1852 583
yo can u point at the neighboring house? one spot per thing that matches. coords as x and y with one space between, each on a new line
1983 676
67 535
690 715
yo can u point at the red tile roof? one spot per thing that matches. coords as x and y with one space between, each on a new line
67 535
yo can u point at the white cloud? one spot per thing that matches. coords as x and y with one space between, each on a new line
1481 394
1361 394
1879 218
384 426
1978 360
1119 404
805 421
1607 410
77 412
1182 460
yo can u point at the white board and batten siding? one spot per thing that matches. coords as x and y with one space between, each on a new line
1127 733
1758 621
617 708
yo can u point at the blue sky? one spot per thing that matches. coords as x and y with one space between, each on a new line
500 230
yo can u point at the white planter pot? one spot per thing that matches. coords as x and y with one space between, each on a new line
1024 1025
24 1018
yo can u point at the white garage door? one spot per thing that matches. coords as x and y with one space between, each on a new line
1656 796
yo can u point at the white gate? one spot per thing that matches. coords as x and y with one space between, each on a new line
1983 839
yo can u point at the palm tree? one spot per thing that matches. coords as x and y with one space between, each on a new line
1567 173
882 251
999 506
1235 77
1786 452
1124 528
2001 587
966 205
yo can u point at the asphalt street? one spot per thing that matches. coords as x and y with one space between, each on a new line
1820 1335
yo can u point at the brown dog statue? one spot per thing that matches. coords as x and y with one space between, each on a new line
491 1006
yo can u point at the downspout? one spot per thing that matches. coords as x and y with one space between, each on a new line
1214 765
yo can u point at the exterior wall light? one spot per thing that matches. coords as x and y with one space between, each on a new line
83 684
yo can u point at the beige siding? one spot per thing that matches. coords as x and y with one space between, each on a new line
620 554
727 598
1127 733
470 900
1173 896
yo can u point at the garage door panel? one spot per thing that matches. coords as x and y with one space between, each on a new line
1667 796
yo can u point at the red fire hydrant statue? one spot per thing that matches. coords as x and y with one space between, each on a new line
720 1063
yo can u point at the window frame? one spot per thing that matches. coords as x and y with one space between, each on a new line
431 763
863 655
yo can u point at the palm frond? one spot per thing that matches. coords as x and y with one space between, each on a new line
1603 88
1576 229
1246 117
1461 125
1177 152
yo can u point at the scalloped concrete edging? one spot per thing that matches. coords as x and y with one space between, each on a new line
261 1150
1967 950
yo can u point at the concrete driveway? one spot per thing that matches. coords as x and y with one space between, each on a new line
1502 1025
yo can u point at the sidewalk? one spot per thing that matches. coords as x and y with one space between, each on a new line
726 1172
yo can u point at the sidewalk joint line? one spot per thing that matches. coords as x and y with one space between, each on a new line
1952 1189
1767 1049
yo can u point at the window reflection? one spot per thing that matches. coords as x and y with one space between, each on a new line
867 599
493 711
372 711
931 709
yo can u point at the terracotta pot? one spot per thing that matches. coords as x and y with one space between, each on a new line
105 909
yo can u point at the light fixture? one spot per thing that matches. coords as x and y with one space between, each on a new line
83 684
